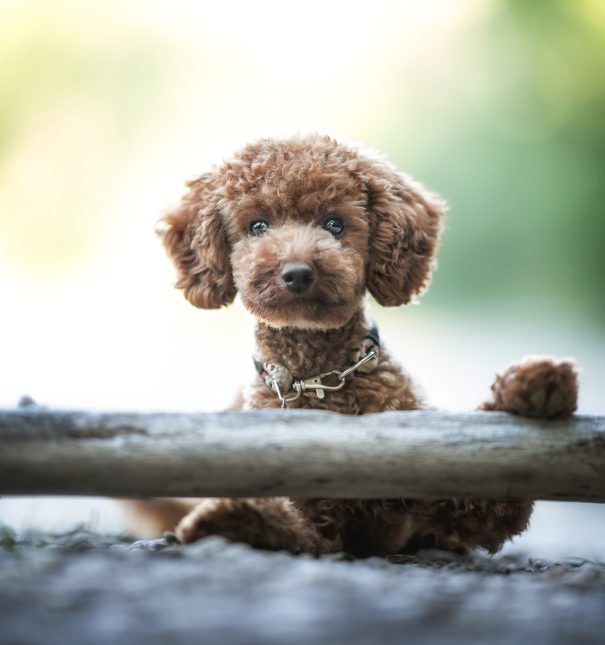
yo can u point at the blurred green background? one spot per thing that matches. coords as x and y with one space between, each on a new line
106 108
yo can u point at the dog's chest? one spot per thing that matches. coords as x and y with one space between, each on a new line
385 388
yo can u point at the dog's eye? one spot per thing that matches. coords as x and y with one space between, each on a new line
258 227
335 225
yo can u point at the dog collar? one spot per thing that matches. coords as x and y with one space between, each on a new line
279 379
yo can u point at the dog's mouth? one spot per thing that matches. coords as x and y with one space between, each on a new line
307 315
312 304
273 295
308 311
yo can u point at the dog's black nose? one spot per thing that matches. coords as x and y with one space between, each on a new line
297 276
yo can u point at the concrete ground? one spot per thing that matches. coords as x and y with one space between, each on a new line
84 587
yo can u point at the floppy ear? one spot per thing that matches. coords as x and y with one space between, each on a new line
195 239
405 223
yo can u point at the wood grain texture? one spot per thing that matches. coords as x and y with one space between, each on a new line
301 453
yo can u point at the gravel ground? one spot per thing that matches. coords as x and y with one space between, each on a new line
82 587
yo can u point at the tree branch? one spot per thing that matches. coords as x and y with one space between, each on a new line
302 453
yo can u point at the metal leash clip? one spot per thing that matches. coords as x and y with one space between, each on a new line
284 400
315 382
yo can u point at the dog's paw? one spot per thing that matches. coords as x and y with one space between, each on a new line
543 388
229 518
264 523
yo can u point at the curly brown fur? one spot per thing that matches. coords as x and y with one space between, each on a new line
387 247
306 352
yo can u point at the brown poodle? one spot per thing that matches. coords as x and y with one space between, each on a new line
302 228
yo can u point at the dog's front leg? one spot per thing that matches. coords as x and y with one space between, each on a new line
463 524
536 387
272 523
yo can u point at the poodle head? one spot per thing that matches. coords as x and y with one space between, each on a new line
301 228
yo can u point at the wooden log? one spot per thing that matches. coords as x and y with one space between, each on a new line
302 453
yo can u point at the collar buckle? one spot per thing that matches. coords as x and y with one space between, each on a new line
315 383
